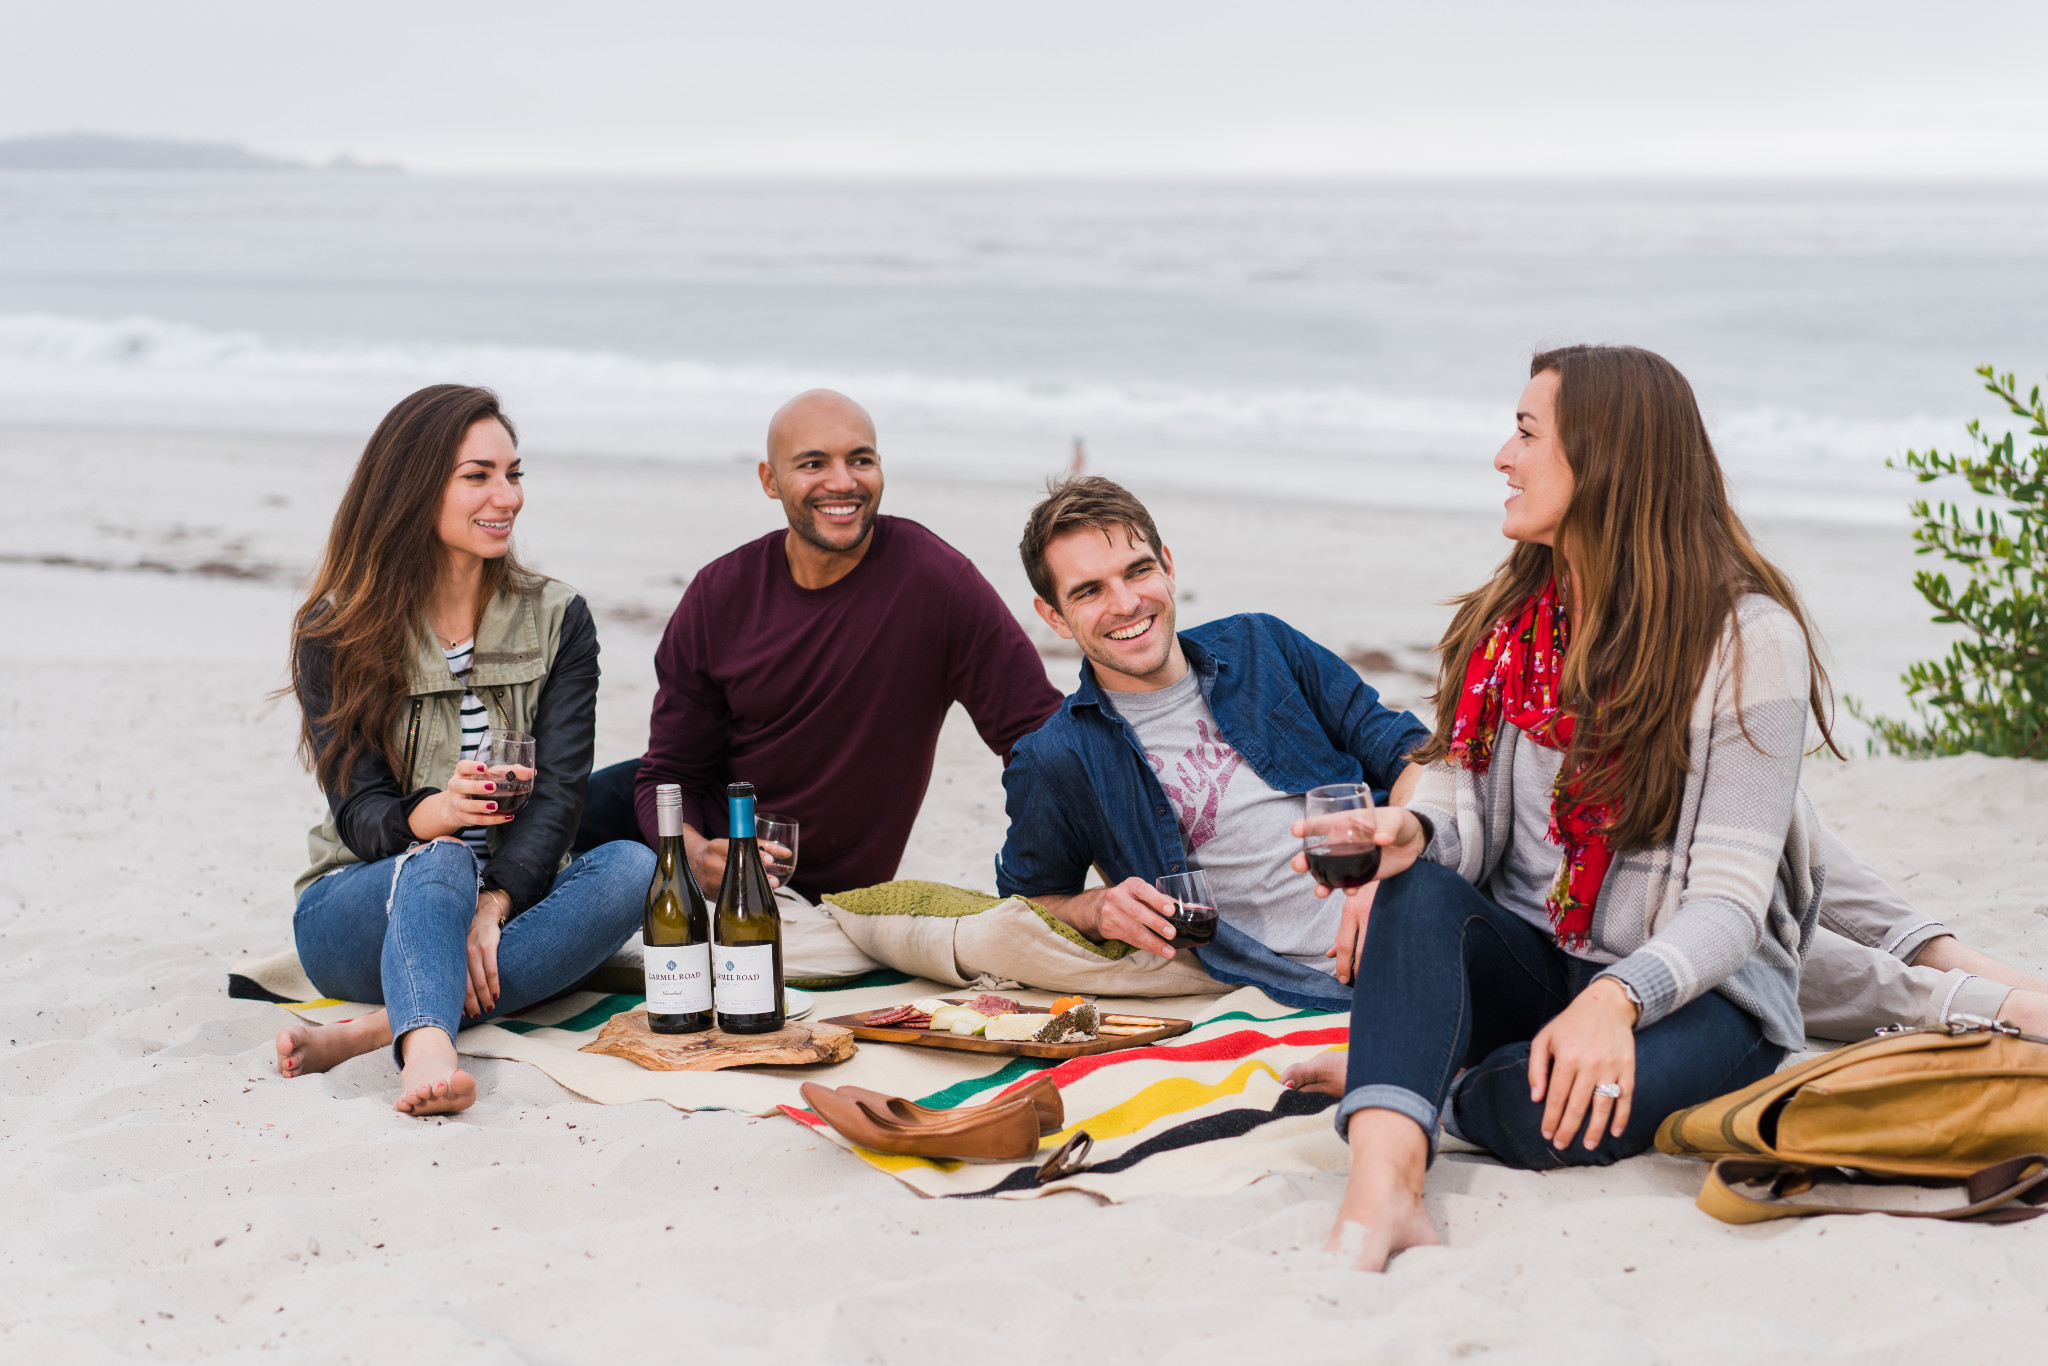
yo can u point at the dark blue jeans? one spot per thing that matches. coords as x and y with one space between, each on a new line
608 808
1450 980
397 931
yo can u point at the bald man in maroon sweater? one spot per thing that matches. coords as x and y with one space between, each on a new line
818 664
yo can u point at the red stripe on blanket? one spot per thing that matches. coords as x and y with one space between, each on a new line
1224 1048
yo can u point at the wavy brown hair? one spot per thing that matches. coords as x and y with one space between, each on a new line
1662 559
368 601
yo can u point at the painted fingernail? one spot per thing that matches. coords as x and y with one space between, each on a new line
492 806
490 787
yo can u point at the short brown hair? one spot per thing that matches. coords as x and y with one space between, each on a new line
1087 503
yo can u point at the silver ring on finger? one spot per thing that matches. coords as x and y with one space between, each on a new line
1609 1089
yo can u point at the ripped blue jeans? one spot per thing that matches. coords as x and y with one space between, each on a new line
397 931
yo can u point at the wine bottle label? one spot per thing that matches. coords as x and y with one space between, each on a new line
678 978
746 978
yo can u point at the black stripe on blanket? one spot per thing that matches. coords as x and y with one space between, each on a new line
1209 1128
242 988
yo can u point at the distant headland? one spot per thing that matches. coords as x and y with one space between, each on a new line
108 152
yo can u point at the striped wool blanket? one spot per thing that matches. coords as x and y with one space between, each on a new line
1201 1113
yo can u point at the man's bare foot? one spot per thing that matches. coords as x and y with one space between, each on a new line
304 1047
1322 1074
1382 1211
431 1083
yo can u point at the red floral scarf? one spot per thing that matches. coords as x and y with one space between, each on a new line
1513 677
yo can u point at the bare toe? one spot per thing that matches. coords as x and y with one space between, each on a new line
456 1093
1322 1074
291 1043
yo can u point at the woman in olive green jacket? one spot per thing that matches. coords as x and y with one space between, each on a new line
421 632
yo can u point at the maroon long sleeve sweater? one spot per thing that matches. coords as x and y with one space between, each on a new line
829 700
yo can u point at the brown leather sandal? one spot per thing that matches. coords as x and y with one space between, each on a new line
1040 1091
1003 1132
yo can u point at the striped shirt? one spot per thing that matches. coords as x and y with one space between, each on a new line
475 721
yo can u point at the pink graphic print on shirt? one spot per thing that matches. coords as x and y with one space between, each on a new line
1197 782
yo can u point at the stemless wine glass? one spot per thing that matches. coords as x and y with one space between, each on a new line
777 836
508 756
1194 910
1340 850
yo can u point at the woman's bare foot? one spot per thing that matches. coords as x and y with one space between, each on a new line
432 1083
304 1047
1322 1074
1382 1210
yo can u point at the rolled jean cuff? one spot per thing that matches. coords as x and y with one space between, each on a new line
1399 1099
399 1031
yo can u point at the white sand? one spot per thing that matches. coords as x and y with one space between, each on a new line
166 1196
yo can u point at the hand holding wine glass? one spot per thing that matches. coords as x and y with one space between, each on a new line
1348 843
507 757
777 836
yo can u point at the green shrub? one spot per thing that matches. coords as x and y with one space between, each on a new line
1990 694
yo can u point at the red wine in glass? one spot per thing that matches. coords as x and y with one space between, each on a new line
1192 924
513 790
1349 866
508 759
1193 913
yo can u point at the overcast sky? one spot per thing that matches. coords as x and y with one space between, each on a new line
954 87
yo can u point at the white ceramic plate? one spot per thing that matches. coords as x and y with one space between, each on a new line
797 1004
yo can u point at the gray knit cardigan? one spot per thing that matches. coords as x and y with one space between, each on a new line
1729 904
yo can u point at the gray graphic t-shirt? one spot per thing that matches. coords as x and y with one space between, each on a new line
1232 825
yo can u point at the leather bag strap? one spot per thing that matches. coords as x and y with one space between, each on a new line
1994 1195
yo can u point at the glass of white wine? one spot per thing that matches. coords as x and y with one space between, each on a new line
777 835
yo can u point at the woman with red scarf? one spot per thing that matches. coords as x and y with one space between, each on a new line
1593 909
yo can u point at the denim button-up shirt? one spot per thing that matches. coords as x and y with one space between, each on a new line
1080 792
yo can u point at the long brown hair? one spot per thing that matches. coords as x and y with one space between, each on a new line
383 556
1661 560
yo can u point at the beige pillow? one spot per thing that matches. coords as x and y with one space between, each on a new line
953 935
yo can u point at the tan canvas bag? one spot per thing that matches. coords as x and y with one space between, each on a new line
1964 1103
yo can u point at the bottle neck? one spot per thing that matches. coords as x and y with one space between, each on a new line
740 818
668 822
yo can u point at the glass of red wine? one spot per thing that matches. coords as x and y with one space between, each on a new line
1339 845
1194 911
507 757
777 837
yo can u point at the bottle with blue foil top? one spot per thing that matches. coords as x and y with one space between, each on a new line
676 930
746 929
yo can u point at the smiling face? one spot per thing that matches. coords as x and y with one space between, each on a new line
1115 600
483 497
823 468
1539 476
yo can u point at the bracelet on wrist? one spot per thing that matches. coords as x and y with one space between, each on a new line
1428 828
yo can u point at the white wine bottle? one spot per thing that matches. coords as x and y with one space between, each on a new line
677 930
746 950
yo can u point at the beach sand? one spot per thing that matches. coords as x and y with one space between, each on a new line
168 1197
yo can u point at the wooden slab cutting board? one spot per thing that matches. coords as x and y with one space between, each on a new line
626 1035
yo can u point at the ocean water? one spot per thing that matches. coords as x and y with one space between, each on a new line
1359 342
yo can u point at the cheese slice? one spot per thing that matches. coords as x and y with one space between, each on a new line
1015 1028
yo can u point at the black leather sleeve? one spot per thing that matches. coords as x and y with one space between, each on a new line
370 812
564 729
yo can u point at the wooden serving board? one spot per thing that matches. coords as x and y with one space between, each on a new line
967 1043
626 1035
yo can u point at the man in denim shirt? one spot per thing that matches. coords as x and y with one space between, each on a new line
1183 749
1193 749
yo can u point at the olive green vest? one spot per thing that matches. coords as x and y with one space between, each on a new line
515 647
